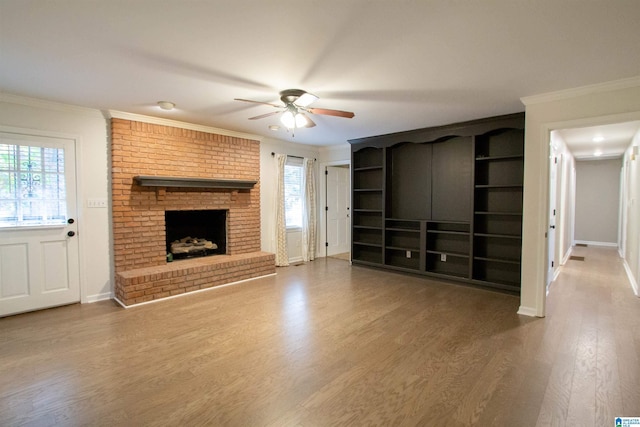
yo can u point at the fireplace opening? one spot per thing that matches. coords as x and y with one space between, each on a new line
196 233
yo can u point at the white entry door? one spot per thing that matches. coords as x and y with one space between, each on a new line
338 210
39 266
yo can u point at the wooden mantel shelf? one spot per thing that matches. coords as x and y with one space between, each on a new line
168 181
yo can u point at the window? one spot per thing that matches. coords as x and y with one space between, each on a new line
32 185
293 192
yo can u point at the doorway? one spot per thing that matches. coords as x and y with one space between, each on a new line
338 211
598 150
39 251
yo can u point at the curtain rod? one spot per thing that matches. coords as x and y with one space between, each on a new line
289 155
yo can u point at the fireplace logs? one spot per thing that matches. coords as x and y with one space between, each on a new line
189 246
205 231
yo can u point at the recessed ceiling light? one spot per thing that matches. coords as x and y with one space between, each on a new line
166 105
598 138
597 153
274 127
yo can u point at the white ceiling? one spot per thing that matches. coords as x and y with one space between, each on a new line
399 65
616 138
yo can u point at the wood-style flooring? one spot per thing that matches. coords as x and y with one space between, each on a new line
327 344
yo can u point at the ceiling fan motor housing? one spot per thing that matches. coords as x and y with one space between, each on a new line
290 96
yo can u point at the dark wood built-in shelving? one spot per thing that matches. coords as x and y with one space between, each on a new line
443 202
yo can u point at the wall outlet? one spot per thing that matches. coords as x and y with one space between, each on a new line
408 254
443 257
96 203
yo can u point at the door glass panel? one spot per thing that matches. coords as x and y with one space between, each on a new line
32 185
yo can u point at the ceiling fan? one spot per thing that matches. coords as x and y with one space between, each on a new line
296 104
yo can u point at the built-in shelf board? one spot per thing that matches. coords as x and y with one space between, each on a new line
212 183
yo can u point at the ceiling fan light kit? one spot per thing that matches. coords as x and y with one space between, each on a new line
288 119
296 103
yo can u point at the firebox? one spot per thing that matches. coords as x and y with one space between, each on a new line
196 233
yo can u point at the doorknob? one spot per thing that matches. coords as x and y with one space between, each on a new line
71 220
71 233
552 226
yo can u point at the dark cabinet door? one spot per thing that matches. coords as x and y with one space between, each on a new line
452 184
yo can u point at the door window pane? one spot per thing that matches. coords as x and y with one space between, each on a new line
32 186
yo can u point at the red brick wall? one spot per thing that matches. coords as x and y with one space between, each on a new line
152 283
138 212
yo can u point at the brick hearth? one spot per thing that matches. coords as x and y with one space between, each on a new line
142 271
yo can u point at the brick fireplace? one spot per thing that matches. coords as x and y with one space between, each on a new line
139 234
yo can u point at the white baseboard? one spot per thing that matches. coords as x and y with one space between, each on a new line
567 255
99 297
191 293
121 303
632 280
591 243
528 311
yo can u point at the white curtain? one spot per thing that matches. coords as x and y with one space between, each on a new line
309 211
282 256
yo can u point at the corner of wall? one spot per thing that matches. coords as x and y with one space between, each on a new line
528 311
632 280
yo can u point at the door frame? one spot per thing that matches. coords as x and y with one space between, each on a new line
552 222
545 149
76 140
346 170
321 206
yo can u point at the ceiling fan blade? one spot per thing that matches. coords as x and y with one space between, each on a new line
310 123
258 102
327 112
262 116
306 99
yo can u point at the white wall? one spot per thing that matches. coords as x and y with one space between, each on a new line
335 154
91 130
631 199
607 103
597 201
268 193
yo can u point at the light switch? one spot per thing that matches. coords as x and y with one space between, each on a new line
96 203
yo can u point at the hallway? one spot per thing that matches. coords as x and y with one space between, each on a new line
592 339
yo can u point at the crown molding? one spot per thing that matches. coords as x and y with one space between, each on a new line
49 105
113 114
582 91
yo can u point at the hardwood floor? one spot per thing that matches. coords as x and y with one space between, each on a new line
326 344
